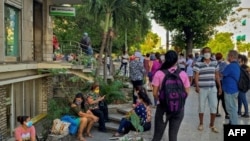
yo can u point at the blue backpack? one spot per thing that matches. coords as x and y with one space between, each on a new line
74 123
172 93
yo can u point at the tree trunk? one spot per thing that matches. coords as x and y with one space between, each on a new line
189 40
104 40
126 39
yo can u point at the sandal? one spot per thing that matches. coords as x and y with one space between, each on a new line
200 127
81 139
116 135
214 129
89 135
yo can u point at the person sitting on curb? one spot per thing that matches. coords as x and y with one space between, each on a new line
98 106
26 131
85 118
142 108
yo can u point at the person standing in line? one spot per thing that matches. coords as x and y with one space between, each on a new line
222 65
182 62
146 66
124 62
206 75
189 70
231 76
26 131
242 99
174 119
136 73
153 67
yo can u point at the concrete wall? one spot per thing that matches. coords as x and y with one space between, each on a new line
3 120
27 31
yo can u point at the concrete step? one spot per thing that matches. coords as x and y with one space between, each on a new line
110 126
124 110
116 117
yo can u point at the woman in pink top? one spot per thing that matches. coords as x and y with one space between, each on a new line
174 120
26 131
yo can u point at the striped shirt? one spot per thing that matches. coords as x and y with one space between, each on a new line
206 73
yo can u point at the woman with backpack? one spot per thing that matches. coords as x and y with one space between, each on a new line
242 95
159 82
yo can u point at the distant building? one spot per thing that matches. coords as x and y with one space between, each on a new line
238 23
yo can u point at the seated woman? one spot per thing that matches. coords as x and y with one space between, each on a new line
142 108
86 117
26 131
98 106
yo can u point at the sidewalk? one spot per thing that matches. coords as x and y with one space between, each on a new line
188 130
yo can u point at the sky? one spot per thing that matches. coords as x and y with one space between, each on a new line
160 31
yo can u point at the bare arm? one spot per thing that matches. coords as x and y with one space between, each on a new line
155 92
90 100
217 78
196 80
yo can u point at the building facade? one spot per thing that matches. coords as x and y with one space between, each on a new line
25 40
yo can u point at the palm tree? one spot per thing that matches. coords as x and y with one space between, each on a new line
114 11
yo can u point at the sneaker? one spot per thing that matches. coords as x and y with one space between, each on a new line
245 115
200 127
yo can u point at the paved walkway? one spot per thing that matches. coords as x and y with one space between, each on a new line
188 130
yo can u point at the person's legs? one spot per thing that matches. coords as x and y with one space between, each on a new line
219 97
83 124
240 97
231 106
99 113
245 103
223 105
104 109
202 97
125 68
122 125
160 125
174 125
212 100
89 126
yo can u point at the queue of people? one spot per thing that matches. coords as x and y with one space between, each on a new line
214 79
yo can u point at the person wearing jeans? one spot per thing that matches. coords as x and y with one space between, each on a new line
231 75
242 99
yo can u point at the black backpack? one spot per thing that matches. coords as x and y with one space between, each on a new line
244 81
172 94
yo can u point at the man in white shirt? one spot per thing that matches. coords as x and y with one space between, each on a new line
182 62
124 62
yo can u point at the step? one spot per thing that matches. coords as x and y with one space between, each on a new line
110 126
124 110
115 117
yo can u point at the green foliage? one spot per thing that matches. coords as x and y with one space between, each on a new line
222 43
136 122
191 17
112 91
243 47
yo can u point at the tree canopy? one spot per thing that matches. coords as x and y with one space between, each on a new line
222 43
191 18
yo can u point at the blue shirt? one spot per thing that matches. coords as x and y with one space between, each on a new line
231 76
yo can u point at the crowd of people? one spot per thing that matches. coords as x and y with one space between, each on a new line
214 79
